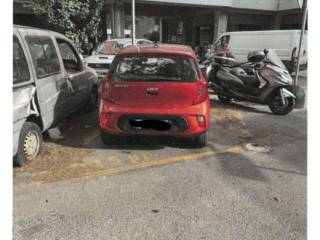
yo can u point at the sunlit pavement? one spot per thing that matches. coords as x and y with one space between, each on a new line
248 183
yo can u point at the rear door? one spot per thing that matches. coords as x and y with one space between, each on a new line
51 89
154 81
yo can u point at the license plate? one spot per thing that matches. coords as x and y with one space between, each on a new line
138 123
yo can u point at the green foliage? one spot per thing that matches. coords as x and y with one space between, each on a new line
79 20
152 36
147 35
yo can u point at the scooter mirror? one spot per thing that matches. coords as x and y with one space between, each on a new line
203 70
265 51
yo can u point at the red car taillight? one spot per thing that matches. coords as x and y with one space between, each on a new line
202 91
103 119
105 91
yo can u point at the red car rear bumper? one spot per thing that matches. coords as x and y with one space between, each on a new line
109 115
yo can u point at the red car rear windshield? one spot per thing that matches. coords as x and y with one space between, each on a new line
154 68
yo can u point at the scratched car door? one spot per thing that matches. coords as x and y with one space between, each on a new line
74 71
52 91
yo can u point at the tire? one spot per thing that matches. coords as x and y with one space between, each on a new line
92 102
200 141
109 139
275 104
224 99
30 144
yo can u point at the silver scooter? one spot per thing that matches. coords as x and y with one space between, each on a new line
263 79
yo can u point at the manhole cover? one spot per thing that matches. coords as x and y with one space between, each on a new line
254 147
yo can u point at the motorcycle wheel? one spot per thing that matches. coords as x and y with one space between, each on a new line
278 108
224 99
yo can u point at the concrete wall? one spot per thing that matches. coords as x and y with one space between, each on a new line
220 24
221 3
289 4
269 5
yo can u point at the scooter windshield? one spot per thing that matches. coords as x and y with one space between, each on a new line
275 59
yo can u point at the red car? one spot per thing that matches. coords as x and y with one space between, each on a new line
155 90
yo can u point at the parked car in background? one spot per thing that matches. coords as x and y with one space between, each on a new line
102 56
50 82
284 42
155 90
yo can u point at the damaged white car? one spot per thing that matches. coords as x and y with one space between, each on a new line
50 82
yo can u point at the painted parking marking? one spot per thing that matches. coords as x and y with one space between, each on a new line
147 157
164 161
98 163
133 158
115 163
114 160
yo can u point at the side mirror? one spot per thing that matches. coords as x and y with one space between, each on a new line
265 51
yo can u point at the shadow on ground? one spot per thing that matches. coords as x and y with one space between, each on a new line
83 132
215 103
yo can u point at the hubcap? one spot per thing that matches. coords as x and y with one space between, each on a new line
31 145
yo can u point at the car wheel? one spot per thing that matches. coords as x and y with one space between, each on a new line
200 141
30 144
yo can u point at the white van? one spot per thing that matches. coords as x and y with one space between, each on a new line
284 42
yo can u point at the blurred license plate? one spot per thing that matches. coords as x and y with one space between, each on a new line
138 123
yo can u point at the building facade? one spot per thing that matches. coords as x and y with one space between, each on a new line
192 22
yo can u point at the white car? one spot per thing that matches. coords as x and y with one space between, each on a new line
103 55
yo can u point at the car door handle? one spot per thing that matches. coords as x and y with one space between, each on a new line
69 84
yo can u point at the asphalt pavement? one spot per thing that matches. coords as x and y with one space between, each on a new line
250 182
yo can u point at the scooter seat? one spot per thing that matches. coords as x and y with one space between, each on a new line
250 80
247 79
238 71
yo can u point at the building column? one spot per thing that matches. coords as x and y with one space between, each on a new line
118 19
160 30
220 24
276 22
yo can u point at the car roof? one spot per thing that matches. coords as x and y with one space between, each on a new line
171 49
126 40
39 30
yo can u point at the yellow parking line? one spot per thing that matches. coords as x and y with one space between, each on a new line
152 163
